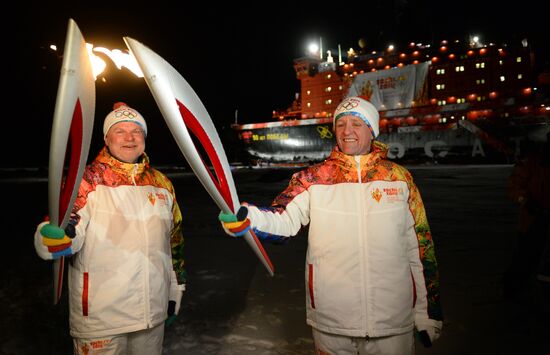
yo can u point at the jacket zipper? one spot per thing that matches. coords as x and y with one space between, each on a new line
362 241
146 276
134 171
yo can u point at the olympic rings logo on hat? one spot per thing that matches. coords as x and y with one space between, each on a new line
349 104
126 113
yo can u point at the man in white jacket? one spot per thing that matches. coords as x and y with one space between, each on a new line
124 246
371 273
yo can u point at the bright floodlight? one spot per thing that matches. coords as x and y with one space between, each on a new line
313 48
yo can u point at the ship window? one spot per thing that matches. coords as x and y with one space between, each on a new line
440 71
480 65
328 102
500 62
480 81
309 104
341 87
518 59
520 76
459 68
308 92
329 76
460 100
440 87
502 78
328 89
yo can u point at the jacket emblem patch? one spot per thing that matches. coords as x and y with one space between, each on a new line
376 194
151 197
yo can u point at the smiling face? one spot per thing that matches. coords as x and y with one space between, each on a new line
126 141
353 136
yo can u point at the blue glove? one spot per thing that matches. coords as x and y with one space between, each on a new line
235 225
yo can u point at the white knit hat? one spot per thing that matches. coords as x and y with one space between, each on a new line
123 113
361 108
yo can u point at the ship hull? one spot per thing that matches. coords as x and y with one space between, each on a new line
310 141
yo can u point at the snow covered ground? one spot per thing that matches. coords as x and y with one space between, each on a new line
232 305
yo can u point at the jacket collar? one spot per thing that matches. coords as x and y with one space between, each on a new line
118 166
378 152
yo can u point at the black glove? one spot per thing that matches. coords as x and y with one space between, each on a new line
424 338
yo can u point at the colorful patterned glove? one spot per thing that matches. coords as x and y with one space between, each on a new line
174 300
235 225
52 242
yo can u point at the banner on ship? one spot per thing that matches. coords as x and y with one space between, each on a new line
396 88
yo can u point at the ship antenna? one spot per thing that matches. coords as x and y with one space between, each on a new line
236 114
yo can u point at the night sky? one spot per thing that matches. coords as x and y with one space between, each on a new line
237 56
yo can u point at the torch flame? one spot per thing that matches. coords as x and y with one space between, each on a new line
119 58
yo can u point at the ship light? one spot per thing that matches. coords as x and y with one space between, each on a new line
443 49
431 119
470 53
483 51
434 59
472 115
451 56
544 110
411 120
493 95
527 91
313 48
397 121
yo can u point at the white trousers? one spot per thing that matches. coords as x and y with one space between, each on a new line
334 344
143 342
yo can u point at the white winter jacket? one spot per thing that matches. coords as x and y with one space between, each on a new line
119 278
370 266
